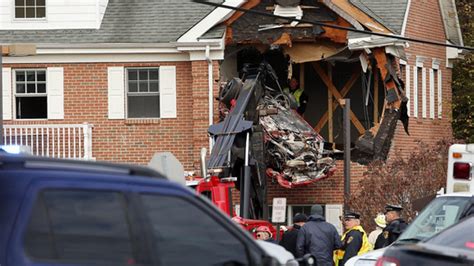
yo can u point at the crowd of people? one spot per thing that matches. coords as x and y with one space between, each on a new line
319 238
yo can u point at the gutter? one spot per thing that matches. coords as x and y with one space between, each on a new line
211 92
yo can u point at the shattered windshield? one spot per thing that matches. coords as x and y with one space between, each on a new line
439 214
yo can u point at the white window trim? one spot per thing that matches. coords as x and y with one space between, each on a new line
435 63
14 94
141 93
28 20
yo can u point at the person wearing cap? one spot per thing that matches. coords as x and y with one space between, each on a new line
288 241
264 233
379 226
318 238
395 226
354 239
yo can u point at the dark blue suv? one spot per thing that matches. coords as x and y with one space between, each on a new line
64 212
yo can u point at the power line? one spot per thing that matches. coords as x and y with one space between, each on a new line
335 26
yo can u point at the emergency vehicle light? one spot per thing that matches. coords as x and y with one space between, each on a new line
462 170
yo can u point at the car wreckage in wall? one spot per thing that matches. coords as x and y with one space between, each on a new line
261 135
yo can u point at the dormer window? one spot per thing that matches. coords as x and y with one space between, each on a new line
30 9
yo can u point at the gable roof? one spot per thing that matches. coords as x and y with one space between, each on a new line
125 21
390 13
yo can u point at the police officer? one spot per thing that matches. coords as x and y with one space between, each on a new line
395 226
354 240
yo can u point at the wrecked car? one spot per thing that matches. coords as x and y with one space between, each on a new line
294 153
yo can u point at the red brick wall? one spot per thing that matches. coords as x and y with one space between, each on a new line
134 141
425 22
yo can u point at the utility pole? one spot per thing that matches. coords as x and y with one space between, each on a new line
346 103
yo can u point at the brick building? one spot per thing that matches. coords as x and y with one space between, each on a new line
119 81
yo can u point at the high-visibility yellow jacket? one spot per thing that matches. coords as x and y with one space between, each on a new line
366 246
296 93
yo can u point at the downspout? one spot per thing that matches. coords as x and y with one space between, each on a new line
211 92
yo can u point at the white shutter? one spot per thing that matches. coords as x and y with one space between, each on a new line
55 91
116 94
423 92
440 94
432 96
168 92
7 93
415 91
408 88
333 212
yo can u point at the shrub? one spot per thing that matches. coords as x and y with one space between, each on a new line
401 180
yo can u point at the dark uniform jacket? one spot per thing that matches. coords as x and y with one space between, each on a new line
319 238
351 245
288 241
390 233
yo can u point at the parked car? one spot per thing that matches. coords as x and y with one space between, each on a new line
442 212
452 246
65 212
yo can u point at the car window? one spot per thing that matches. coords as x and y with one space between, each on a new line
460 236
184 234
439 214
79 227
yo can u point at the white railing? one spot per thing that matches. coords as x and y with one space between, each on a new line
58 141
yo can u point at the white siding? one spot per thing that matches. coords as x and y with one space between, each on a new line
102 7
55 91
7 93
60 14
116 88
168 92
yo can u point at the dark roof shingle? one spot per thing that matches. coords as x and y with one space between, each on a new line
390 13
125 21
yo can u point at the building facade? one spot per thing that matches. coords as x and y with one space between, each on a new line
106 83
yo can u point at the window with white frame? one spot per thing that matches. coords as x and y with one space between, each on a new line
30 94
143 93
30 9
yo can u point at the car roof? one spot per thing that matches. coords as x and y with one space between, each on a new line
457 194
14 161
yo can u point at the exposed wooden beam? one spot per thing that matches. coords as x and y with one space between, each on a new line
249 5
347 87
302 76
337 95
382 64
330 110
376 97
